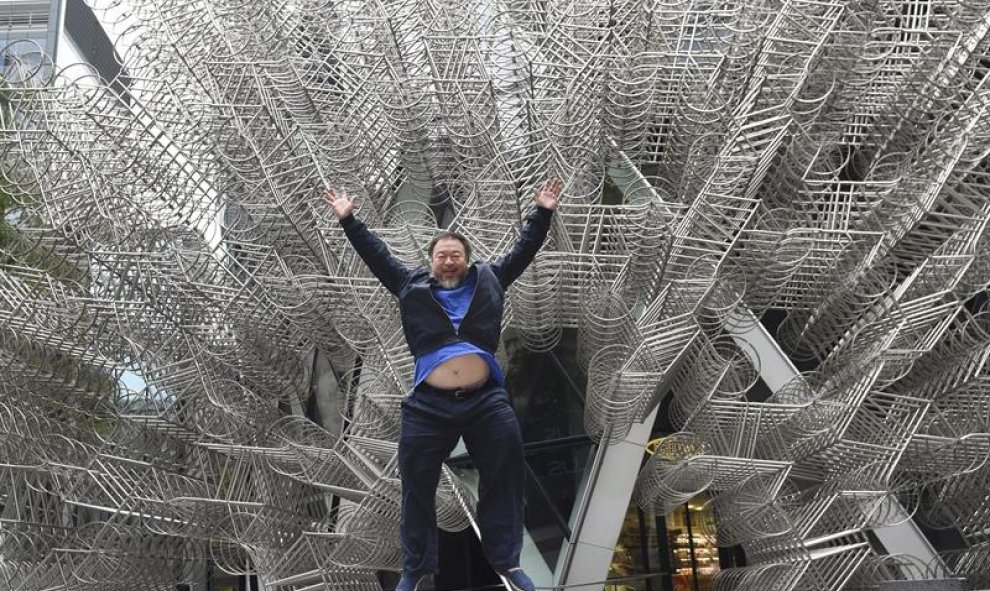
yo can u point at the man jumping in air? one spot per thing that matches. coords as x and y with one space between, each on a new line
452 320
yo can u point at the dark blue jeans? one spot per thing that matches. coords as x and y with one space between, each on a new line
431 426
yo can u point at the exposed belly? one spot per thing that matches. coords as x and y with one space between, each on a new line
460 372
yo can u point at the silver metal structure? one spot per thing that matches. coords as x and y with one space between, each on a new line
168 272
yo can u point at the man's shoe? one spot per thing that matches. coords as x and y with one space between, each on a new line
415 583
518 581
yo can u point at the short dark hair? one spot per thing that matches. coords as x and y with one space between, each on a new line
449 235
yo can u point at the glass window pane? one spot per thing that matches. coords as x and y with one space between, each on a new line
705 549
555 475
693 552
679 543
631 558
543 395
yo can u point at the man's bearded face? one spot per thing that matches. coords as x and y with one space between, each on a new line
449 265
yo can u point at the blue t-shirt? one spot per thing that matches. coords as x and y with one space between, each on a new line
455 303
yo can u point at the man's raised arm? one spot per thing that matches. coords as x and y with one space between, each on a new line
534 231
388 269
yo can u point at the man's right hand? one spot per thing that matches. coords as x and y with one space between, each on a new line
342 205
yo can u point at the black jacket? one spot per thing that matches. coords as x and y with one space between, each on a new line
424 321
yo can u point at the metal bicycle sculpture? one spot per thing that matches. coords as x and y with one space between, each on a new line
829 159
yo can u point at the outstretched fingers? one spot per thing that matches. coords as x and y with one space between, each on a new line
548 195
333 194
341 203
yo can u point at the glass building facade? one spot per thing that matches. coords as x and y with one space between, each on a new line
66 31
28 28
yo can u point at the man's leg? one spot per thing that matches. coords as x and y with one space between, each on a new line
425 441
494 441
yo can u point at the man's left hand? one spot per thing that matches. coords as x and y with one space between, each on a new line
548 195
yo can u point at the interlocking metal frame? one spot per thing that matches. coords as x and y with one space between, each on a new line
168 272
